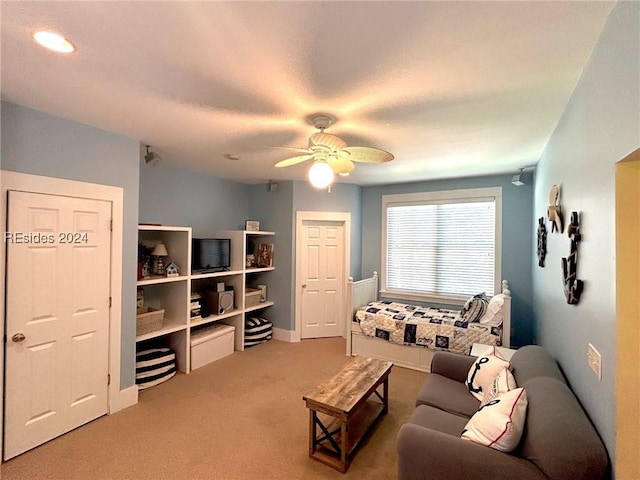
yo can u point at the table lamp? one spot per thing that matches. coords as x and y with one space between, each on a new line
159 251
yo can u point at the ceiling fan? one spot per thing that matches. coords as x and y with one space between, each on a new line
327 149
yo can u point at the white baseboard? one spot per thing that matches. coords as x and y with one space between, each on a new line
125 398
283 335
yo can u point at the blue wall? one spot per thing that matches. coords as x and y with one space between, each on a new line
344 197
600 125
40 144
517 238
276 211
175 196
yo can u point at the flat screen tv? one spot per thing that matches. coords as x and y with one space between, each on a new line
210 255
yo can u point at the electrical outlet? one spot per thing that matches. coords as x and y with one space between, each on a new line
594 359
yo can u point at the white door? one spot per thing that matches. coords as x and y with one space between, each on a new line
57 319
322 263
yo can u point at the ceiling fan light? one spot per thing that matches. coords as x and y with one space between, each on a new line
320 175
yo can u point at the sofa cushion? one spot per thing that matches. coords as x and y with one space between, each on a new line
534 361
499 423
558 437
452 365
438 420
449 395
484 370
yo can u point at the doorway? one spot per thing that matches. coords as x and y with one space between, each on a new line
627 463
117 399
322 269
57 316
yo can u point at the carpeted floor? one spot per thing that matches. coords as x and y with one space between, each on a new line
241 417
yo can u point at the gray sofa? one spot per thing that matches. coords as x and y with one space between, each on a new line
558 441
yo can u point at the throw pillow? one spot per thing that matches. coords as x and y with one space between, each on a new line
493 314
502 383
474 308
499 423
484 370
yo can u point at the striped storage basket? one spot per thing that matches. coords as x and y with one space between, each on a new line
256 330
154 366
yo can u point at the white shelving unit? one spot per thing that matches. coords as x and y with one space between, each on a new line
170 293
242 242
173 294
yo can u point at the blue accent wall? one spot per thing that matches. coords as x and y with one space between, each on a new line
600 125
176 196
276 211
517 238
40 144
344 197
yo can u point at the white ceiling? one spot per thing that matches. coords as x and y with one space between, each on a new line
452 89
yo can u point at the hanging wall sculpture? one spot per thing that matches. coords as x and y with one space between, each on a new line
542 242
572 286
554 211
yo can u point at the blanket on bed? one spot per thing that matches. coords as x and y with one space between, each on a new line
435 328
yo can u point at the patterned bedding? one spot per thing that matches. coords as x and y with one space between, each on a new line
434 328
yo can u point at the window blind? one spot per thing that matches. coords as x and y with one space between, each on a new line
441 248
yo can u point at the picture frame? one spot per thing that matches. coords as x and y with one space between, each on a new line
264 255
252 225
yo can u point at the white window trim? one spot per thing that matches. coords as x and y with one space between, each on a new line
445 196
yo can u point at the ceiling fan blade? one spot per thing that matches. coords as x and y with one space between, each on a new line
327 140
293 160
295 149
368 155
341 165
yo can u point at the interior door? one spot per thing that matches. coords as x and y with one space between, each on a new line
322 263
57 318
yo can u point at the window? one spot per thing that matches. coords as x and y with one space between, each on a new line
442 246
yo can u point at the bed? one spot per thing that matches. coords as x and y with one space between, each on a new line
407 335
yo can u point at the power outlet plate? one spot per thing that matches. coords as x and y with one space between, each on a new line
594 360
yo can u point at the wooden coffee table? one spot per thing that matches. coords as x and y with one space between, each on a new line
345 408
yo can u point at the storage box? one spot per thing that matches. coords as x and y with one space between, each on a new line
210 344
148 319
251 297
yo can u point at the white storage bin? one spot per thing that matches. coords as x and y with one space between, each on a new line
211 344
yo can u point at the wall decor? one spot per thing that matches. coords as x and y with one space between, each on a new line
542 242
554 211
264 255
572 286
252 225
171 270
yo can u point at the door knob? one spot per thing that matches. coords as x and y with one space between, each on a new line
18 337
304 285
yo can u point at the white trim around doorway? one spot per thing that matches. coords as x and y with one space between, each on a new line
302 216
118 399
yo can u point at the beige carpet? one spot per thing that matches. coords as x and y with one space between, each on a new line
241 417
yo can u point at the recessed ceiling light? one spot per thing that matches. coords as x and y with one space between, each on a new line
53 41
